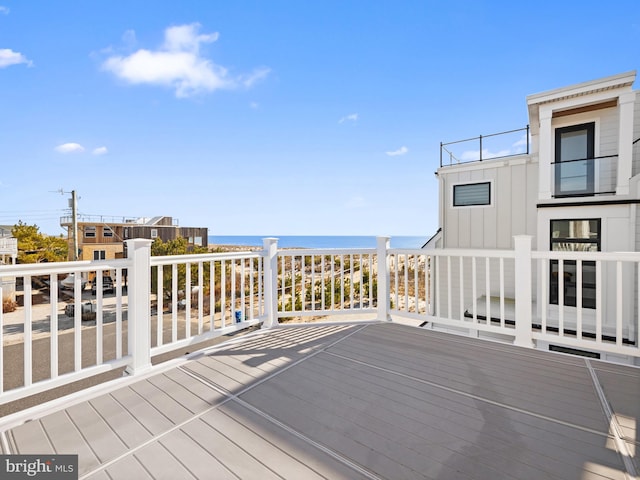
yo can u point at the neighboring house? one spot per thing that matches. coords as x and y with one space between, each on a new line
101 238
8 256
576 187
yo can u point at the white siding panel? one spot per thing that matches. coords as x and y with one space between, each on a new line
518 199
503 208
512 211
636 135
608 132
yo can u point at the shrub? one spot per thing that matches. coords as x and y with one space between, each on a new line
9 305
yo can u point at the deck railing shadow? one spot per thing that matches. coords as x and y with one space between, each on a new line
171 303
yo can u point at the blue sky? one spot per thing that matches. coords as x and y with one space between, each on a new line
274 117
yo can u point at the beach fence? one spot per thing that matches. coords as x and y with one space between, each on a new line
65 321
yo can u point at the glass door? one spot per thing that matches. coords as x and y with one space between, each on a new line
574 164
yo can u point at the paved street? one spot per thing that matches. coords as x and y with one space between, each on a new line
14 349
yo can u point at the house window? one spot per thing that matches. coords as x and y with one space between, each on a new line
472 194
574 164
197 241
90 232
126 232
574 236
99 254
107 232
154 233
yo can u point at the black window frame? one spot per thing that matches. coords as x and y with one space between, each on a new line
568 282
488 183
590 128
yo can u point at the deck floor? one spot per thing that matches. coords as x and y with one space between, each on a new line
365 401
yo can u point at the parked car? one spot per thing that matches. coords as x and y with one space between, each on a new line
88 310
69 281
107 285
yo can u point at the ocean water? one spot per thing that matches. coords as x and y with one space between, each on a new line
319 241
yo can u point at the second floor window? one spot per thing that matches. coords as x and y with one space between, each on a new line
107 232
90 232
574 164
472 194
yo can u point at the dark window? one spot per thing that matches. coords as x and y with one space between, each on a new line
107 232
99 254
90 232
472 194
574 164
574 236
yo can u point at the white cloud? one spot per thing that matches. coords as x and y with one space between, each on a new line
4 10
100 151
400 151
8 57
355 202
178 64
352 118
471 155
129 38
69 148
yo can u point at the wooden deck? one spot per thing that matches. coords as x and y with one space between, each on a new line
363 401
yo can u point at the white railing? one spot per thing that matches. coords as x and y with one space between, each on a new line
160 304
196 297
515 294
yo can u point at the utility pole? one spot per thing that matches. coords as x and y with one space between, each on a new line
74 223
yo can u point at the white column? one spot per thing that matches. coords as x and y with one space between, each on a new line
625 140
139 309
383 279
270 246
545 155
523 282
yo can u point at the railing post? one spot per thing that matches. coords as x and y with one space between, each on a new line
270 246
383 279
523 283
138 310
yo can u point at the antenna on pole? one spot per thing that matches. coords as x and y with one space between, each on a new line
73 205
74 224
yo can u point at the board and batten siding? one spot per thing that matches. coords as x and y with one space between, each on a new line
636 135
514 184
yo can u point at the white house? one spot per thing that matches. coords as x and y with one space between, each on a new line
575 187
8 256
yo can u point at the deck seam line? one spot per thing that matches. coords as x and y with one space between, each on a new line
621 444
472 396
178 426
88 445
335 455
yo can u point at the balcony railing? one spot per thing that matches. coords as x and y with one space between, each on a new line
60 333
485 147
586 177
67 220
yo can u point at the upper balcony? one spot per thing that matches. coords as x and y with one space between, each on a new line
485 147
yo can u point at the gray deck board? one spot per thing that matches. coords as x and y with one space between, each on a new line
529 391
128 467
380 401
504 437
